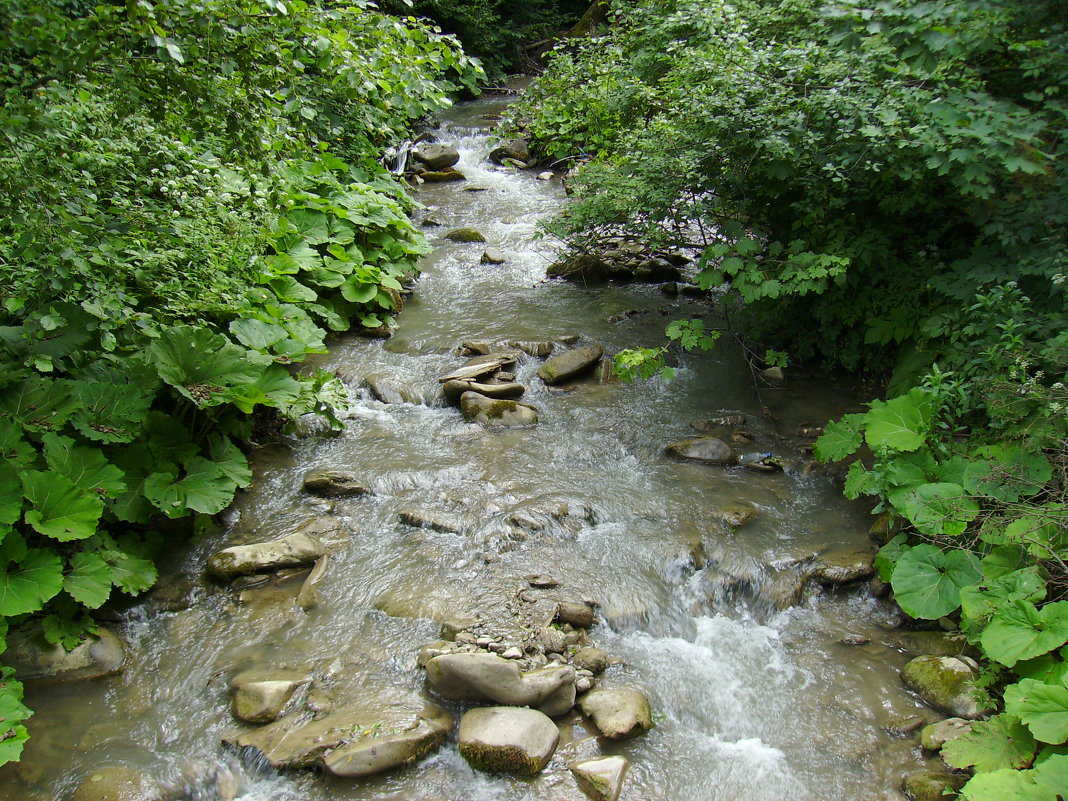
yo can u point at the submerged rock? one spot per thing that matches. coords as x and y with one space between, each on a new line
420 518
333 483
496 413
601 779
508 740
707 450
260 696
308 597
117 783
350 742
436 157
619 713
464 235
843 564
570 364
389 389
482 677
265 557
932 785
539 349
36 660
946 683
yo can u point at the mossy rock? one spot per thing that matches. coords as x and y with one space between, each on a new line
507 739
946 683
932 785
465 235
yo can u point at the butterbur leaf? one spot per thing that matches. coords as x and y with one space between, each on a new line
26 585
110 412
1000 742
840 438
927 580
275 388
980 602
289 290
1019 630
15 452
86 467
13 734
39 404
1006 784
1043 707
10 496
230 460
886 558
257 334
860 481
1046 669
202 488
204 366
88 579
355 291
68 630
130 573
936 509
62 510
899 424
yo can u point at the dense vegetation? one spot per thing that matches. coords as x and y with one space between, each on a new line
881 186
190 204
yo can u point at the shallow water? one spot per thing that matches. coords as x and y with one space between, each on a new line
752 700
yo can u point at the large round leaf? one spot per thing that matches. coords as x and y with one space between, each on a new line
25 586
927 580
1019 630
1043 707
62 510
900 424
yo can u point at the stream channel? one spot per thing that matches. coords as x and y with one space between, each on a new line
754 698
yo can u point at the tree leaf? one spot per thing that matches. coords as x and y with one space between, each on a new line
1043 707
88 579
840 438
1018 630
1000 742
927 580
899 424
62 510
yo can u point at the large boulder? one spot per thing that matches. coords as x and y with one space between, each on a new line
265 557
516 149
328 483
482 677
600 779
495 413
508 740
843 564
619 713
260 695
453 390
583 268
436 157
946 683
36 660
349 742
570 364
464 235
707 450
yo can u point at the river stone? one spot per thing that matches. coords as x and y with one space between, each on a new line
260 696
495 413
570 364
482 677
934 736
517 149
601 779
480 366
36 660
539 349
265 557
117 783
504 739
657 271
493 256
333 483
455 389
578 615
738 514
619 713
592 659
436 157
349 742
582 269
464 235
707 450
308 597
419 518
388 389
442 176
932 785
843 564
946 683
313 425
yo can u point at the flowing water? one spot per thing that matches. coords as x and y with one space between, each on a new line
754 697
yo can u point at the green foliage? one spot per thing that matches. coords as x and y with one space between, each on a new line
1001 742
191 204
